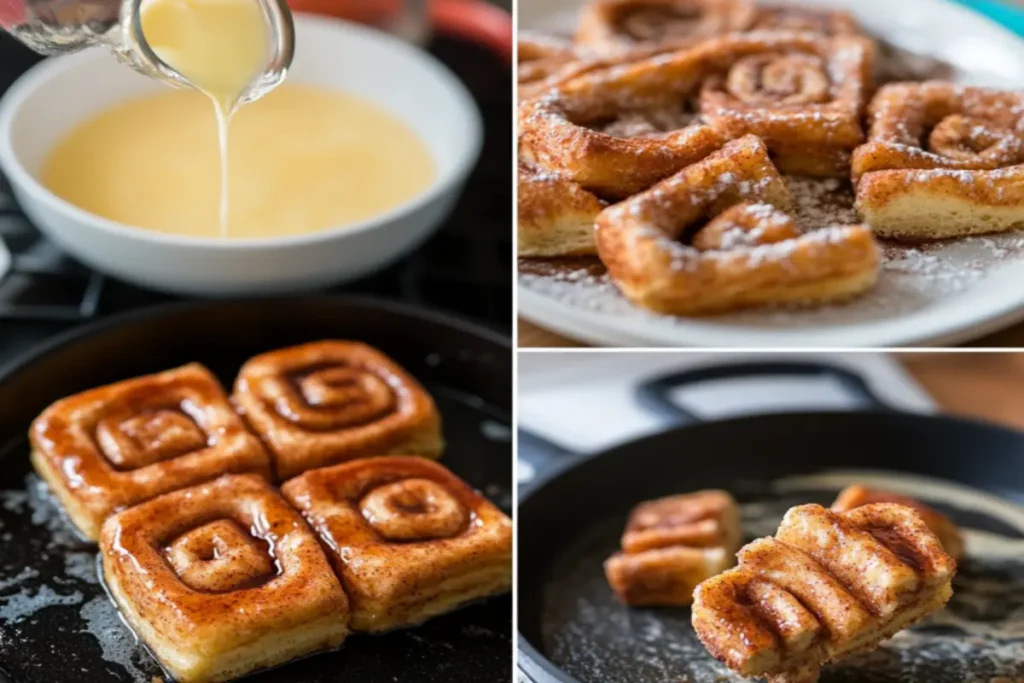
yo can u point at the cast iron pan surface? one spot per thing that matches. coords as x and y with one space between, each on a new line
572 629
56 623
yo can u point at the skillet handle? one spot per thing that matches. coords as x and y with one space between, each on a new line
656 394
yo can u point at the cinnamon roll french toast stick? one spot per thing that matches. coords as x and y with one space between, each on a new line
827 586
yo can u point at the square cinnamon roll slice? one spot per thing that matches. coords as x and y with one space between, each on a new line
616 130
408 538
222 579
941 161
555 216
672 544
716 237
110 448
827 586
802 93
331 401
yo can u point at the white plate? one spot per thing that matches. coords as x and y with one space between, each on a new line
942 295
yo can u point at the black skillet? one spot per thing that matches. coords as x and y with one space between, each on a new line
468 370
570 518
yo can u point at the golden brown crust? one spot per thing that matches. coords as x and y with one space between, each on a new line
109 448
828 585
333 401
940 125
408 538
555 216
941 204
206 573
702 519
941 161
805 19
663 577
753 254
613 27
803 94
564 131
942 526
533 47
672 544
544 65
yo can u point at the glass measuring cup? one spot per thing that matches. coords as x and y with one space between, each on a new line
59 26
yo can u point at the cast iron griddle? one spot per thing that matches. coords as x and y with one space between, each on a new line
56 623
573 630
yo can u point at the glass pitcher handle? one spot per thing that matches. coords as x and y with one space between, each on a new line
58 26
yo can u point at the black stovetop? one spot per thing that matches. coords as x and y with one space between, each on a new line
466 268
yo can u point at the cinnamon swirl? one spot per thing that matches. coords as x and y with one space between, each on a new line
614 27
942 160
803 94
222 579
616 131
408 538
332 401
827 586
672 544
663 256
110 448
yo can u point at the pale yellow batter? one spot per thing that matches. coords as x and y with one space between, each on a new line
221 47
301 160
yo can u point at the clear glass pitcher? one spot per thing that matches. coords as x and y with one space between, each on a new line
59 26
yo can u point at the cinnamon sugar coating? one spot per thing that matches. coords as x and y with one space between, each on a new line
672 544
544 65
612 27
939 125
804 20
333 401
752 255
827 586
803 94
408 538
555 216
109 448
942 526
702 519
941 161
222 579
561 131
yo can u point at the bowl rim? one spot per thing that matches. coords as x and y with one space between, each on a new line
40 76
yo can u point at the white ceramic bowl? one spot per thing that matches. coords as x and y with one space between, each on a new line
58 94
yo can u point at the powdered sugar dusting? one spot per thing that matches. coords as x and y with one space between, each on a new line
914 277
